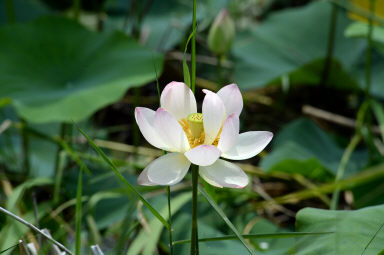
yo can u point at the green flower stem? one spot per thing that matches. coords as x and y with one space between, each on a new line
341 169
194 168
330 46
25 147
136 133
369 51
220 60
10 9
361 113
78 215
193 57
170 221
361 116
76 9
194 233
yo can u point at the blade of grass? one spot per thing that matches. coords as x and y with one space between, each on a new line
347 5
170 230
226 220
373 237
34 228
253 236
11 247
123 180
59 175
379 114
74 156
44 249
187 75
79 211
343 164
24 248
368 175
96 250
25 148
170 220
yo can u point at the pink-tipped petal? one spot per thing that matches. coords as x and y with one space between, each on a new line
232 99
144 180
203 155
229 133
170 131
224 174
144 119
166 170
213 115
248 145
178 100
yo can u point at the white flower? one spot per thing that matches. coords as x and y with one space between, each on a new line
197 138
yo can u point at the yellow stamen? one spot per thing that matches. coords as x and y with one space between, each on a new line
193 141
194 130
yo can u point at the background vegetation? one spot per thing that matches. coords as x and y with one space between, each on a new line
310 71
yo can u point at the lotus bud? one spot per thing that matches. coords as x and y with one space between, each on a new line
221 33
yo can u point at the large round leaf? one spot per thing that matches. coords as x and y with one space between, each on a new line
353 232
53 69
24 10
302 145
289 40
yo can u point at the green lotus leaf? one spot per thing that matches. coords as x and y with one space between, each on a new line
54 69
352 232
291 39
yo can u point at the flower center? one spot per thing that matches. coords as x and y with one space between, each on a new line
194 130
195 121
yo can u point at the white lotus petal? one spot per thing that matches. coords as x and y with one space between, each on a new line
144 180
170 131
232 99
166 170
203 155
213 115
144 119
229 133
224 174
248 145
178 100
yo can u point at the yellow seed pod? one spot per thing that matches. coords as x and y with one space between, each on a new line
195 121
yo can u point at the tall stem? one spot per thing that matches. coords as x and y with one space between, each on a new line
361 115
76 9
136 133
170 220
25 147
330 46
369 51
193 57
343 164
194 168
10 9
220 70
194 233
79 211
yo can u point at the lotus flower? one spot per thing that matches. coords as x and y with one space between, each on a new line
198 138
